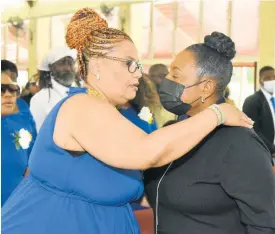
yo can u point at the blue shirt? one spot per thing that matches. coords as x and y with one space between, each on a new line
22 105
14 161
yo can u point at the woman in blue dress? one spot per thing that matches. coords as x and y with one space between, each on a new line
84 166
17 136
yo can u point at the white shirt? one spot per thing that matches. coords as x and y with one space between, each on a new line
43 102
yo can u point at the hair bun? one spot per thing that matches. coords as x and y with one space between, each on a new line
221 43
82 25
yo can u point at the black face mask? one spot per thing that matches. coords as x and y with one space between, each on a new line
170 93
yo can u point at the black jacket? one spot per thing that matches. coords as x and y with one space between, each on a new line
258 109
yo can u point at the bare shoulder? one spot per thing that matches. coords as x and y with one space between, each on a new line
88 116
78 114
81 106
86 123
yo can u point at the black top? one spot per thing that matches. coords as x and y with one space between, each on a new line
223 186
27 98
257 108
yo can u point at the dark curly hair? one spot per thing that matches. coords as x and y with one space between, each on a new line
214 58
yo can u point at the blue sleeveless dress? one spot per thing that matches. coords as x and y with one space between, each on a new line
72 195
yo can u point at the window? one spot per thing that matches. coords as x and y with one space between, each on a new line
214 18
23 77
187 32
180 23
58 30
163 30
14 47
112 19
245 18
14 44
43 42
242 82
140 27
3 33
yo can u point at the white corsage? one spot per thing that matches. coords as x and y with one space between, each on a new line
146 115
22 139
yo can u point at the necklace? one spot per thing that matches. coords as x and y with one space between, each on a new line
91 91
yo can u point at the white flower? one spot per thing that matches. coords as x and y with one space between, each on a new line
23 138
146 115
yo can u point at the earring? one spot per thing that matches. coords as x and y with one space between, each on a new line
97 76
202 100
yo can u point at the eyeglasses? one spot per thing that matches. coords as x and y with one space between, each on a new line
12 88
133 65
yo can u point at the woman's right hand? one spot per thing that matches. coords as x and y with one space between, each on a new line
234 117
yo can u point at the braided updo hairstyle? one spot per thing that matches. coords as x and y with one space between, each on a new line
90 35
214 59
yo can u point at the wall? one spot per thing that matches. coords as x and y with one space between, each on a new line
267 34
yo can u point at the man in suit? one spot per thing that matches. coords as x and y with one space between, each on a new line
261 108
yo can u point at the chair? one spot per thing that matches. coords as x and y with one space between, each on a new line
145 220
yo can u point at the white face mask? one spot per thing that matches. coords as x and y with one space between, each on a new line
269 86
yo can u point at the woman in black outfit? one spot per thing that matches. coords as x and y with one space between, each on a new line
226 184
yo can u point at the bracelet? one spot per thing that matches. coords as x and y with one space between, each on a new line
220 115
